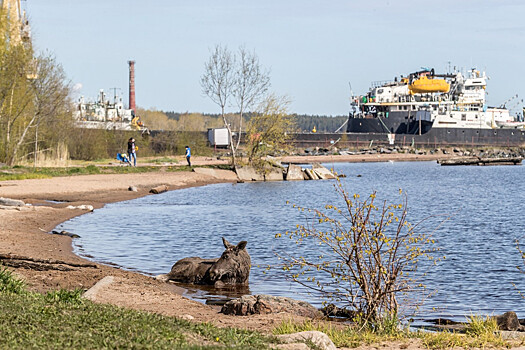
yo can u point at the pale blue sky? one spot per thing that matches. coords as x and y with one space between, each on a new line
313 48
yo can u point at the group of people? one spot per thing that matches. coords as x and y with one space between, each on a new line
132 152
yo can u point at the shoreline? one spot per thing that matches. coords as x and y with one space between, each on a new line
24 234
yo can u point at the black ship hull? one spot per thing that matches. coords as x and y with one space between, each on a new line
400 129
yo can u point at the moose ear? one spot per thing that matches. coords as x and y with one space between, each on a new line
241 245
226 243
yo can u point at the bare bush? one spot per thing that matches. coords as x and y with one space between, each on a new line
368 253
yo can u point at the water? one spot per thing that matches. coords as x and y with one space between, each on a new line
478 276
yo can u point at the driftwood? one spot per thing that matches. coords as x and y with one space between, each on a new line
39 264
159 189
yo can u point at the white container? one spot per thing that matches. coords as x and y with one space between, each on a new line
219 137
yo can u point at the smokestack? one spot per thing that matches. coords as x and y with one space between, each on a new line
131 85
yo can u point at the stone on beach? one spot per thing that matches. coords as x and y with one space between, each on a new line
509 322
319 339
274 174
91 293
268 304
294 173
217 173
248 173
8 202
322 172
311 174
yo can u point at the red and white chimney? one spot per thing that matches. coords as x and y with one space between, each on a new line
131 85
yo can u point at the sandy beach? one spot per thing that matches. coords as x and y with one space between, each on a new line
46 261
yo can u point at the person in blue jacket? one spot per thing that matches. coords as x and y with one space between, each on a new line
188 155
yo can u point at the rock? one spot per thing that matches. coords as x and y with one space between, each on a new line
8 202
65 233
217 173
159 189
294 173
162 278
319 339
187 317
322 172
311 174
292 346
81 207
248 173
267 304
91 293
132 189
333 311
509 322
274 174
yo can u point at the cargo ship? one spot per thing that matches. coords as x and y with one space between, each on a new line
427 108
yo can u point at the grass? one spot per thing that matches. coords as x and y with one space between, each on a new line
24 173
63 319
481 332
165 160
341 335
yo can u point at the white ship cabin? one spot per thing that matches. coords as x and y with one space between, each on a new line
473 87
102 110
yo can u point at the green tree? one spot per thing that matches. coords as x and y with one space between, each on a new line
50 92
270 128
368 254
34 93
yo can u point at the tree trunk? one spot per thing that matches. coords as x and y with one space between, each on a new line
232 147
21 140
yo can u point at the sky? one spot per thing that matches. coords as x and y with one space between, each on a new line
317 51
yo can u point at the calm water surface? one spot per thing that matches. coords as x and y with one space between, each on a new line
479 274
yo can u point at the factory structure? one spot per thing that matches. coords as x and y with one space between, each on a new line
104 112
109 112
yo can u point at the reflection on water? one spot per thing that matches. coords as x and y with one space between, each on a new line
485 205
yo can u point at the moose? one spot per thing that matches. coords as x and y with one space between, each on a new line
232 268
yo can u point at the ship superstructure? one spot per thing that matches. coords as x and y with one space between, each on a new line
104 114
425 102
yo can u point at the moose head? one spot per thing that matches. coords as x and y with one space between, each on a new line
233 267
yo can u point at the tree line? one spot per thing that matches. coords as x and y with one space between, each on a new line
303 122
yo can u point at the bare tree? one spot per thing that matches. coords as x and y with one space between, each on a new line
251 84
225 76
218 83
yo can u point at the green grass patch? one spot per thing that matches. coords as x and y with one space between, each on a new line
165 160
341 335
62 319
481 333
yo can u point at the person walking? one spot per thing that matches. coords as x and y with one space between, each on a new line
132 151
188 155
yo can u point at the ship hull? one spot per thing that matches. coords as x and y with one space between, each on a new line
406 131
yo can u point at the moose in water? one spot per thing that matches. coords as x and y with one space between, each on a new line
231 269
